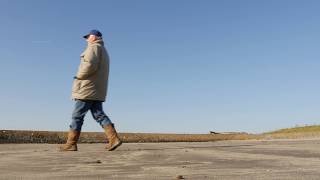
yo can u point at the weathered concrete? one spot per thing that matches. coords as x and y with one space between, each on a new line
274 159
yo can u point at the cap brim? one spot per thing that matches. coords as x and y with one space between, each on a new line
86 36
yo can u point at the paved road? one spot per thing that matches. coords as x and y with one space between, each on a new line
273 159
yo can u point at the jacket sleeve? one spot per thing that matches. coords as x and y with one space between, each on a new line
89 63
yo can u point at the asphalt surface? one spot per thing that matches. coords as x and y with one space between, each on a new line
268 159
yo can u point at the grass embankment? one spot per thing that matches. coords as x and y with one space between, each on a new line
13 136
295 133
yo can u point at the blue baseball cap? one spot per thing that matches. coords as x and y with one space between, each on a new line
93 32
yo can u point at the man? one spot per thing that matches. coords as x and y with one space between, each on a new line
89 91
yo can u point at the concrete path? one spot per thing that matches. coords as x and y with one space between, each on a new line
273 159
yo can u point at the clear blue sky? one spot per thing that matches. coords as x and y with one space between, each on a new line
181 66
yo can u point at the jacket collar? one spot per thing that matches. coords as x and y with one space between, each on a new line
100 42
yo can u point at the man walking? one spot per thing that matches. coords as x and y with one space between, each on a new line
89 91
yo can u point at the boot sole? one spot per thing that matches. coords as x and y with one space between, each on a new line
115 146
68 149
62 150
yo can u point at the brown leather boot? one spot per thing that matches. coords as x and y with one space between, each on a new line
71 144
112 137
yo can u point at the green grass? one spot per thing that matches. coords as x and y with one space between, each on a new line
304 129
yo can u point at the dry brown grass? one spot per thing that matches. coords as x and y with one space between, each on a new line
12 136
302 132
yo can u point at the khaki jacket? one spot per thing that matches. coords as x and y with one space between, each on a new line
91 82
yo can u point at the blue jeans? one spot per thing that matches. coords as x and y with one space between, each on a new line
80 110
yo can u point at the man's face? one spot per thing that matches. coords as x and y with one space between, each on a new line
91 38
